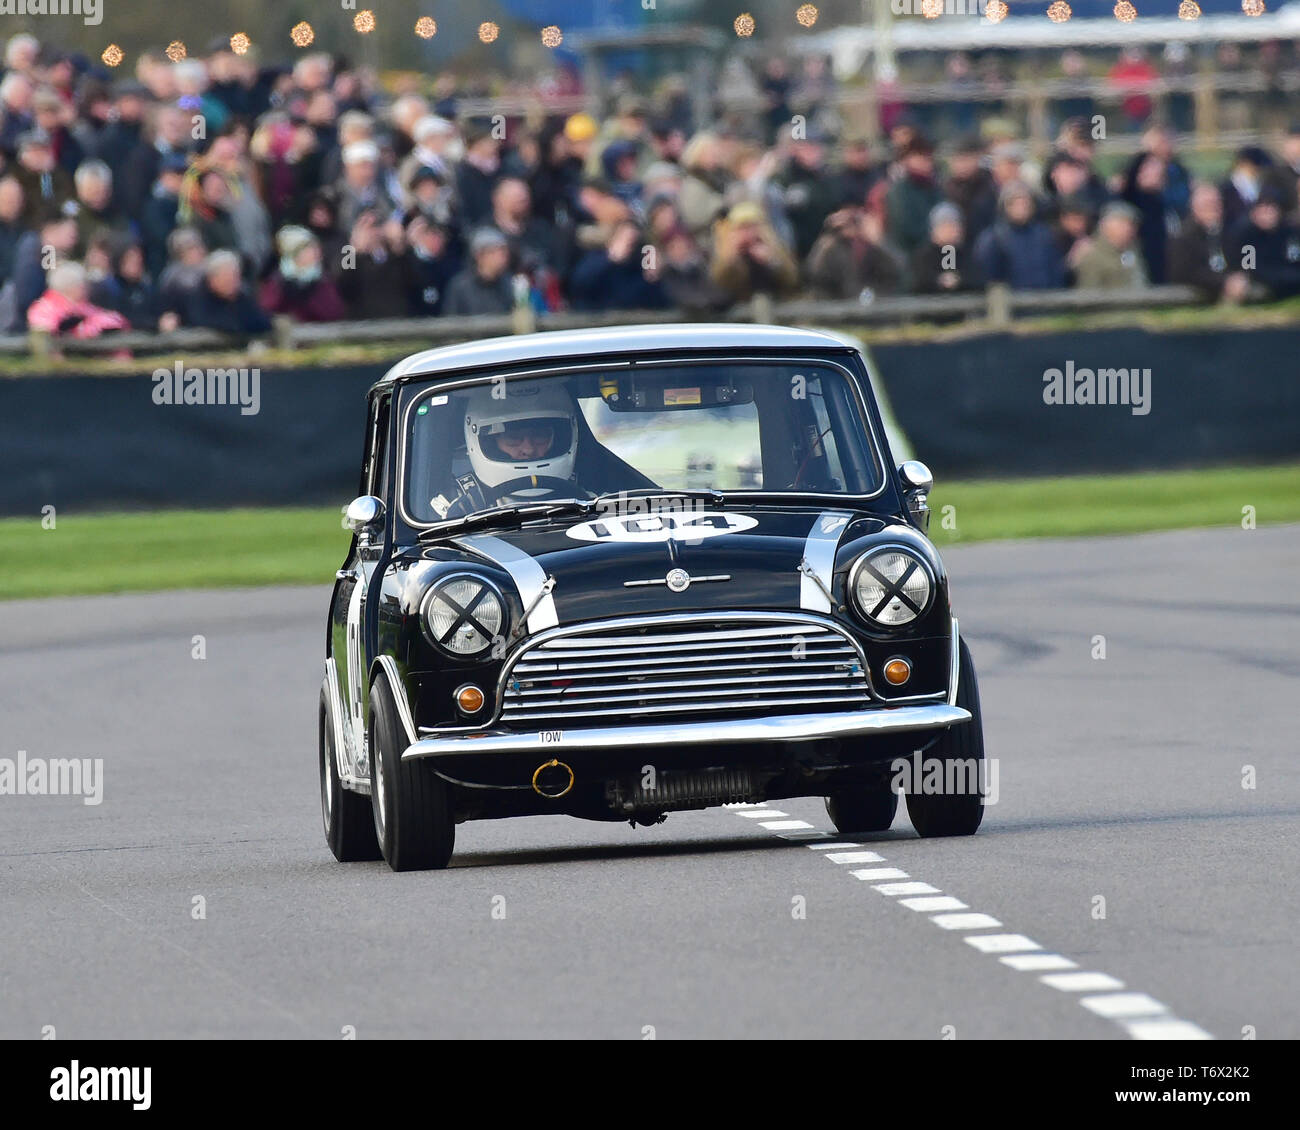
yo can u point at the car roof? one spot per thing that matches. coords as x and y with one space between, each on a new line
560 344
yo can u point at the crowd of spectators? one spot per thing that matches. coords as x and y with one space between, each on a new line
218 193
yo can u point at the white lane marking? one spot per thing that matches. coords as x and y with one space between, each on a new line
784 825
1082 982
965 921
1001 943
1035 962
1166 1029
1141 1016
934 902
892 889
1114 1006
854 857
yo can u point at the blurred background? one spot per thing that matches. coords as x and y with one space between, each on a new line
978 192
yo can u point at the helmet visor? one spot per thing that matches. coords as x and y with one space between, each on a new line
526 441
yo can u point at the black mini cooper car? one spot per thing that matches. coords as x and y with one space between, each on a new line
618 573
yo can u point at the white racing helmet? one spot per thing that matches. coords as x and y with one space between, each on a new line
527 428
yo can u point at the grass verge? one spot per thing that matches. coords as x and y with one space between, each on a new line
183 549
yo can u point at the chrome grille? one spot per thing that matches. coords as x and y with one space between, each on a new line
679 666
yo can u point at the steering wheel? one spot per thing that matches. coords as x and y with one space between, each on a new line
550 483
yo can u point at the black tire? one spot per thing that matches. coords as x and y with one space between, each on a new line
955 812
412 811
863 808
349 826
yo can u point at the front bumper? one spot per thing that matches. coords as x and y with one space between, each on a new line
776 728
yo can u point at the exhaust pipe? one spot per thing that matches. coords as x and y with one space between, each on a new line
552 779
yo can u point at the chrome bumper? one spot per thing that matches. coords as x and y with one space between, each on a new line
778 728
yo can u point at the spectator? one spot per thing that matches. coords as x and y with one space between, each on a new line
532 242
52 115
65 307
619 163
748 257
360 189
180 280
1145 189
437 147
1113 260
484 286
46 186
94 210
158 220
1245 179
204 202
11 223
849 259
945 265
32 261
1073 229
430 264
248 215
809 189
1264 238
1132 76
222 302
1289 168
970 186
1019 249
858 173
912 198
16 91
705 180
299 286
478 174
684 274
615 277
1197 256
129 290
169 134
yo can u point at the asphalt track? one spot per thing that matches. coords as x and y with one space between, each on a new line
1119 777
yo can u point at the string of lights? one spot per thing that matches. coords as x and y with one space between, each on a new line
303 35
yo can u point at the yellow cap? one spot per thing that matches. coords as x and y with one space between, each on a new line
580 127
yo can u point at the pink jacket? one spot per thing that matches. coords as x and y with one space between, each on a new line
57 314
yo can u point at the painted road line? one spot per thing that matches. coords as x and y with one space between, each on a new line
912 888
784 825
759 813
965 921
1161 1028
1036 962
854 857
1117 1006
1001 943
933 903
831 844
1082 982
880 873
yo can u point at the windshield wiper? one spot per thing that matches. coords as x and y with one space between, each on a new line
505 516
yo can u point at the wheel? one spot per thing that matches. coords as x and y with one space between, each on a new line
958 810
349 828
863 808
412 811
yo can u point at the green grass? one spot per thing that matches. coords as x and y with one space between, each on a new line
102 553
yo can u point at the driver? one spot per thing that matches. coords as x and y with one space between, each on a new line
522 447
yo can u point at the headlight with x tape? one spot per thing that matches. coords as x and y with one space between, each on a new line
463 614
890 586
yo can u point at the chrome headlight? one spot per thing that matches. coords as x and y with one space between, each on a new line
891 587
463 614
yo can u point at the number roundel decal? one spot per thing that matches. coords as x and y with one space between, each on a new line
661 527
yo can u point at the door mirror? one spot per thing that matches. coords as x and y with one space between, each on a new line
363 513
917 484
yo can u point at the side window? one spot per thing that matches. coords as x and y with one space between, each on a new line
377 464
825 449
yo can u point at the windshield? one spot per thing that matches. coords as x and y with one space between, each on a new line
772 427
